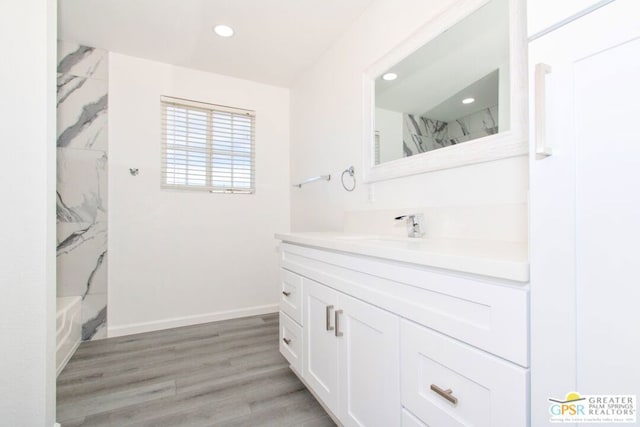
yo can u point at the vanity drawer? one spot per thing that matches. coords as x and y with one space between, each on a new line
291 295
489 391
291 342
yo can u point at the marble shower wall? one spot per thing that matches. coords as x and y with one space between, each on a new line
473 126
422 134
82 182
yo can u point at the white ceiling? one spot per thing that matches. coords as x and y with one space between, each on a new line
484 91
275 40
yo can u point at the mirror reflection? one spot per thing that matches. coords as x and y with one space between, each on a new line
452 90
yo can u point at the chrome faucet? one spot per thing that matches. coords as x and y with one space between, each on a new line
415 224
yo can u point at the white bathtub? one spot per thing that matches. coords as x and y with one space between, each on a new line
68 330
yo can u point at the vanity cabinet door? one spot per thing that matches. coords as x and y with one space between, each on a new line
368 364
320 366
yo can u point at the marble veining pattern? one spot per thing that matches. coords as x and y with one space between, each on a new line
82 112
473 126
81 209
422 134
82 61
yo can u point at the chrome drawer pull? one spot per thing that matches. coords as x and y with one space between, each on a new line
328 316
447 394
338 333
285 293
287 341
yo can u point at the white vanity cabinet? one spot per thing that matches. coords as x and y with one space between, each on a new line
320 365
368 364
352 356
376 334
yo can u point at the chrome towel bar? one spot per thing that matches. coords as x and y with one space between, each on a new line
312 179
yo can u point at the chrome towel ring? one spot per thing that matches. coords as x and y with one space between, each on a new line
352 173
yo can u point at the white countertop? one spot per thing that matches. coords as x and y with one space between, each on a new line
505 260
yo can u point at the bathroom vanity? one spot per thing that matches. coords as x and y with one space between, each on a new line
424 331
389 331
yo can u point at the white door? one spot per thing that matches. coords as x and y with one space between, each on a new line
585 209
607 109
320 366
542 14
368 364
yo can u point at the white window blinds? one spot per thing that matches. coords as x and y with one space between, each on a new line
207 147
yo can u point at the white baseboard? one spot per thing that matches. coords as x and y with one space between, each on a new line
176 322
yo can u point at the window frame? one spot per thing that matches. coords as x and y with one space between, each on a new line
231 148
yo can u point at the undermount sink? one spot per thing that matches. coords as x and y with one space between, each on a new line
364 237
374 237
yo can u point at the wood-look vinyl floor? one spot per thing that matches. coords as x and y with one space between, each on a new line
227 373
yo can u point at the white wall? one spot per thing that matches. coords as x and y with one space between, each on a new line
187 257
327 131
27 236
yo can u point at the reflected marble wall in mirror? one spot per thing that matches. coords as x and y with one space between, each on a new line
452 90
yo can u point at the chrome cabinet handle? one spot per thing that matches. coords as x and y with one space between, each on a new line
447 394
338 333
285 293
287 341
541 71
328 318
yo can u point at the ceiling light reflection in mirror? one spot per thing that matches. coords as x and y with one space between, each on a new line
452 90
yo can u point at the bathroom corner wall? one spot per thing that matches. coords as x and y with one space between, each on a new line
82 182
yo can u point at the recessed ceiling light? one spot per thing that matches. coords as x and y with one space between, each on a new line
468 100
389 76
223 30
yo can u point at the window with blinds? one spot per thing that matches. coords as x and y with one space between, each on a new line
207 147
